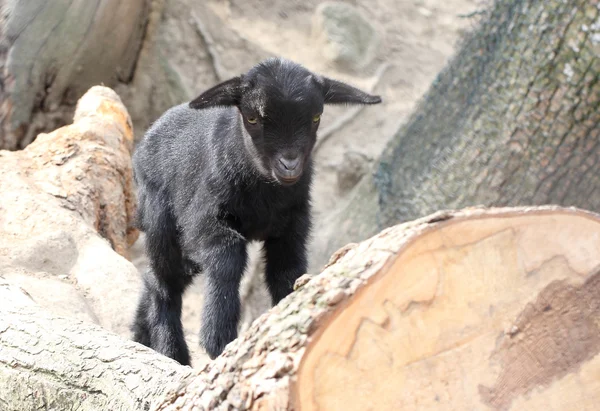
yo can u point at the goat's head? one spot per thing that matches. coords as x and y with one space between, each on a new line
280 103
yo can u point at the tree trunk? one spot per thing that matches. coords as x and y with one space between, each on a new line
512 120
478 309
51 52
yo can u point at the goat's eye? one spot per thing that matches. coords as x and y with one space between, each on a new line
316 118
252 120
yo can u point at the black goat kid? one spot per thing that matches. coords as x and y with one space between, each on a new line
230 167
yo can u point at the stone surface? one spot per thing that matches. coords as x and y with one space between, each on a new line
352 168
344 35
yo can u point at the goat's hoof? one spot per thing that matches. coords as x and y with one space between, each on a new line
214 341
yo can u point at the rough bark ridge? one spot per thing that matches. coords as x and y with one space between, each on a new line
56 363
513 119
51 52
66 213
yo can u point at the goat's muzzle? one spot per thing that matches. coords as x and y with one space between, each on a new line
288 169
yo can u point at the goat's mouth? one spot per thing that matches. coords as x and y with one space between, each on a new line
287 172
287 179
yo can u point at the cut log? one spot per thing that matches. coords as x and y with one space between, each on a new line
55 363
480 309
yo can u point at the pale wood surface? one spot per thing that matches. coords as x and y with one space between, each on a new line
66 215
49 362
477 309
485 313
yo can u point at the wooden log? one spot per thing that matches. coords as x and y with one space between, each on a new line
480 309
487 309
66 209
57 363
512 120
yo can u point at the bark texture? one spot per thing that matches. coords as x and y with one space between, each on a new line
512 120
51 52
388 322
57 363
66 214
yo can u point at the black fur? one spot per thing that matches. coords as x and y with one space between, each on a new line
232 166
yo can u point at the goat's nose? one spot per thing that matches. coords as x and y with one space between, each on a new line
290 164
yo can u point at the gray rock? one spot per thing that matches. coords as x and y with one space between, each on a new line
354 166
344 35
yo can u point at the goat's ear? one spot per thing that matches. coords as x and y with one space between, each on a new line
336 92
227 93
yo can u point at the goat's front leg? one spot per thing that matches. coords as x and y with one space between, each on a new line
222 255
286 255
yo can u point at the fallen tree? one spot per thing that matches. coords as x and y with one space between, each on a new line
512 120
475 309
57 363
66 211
51 52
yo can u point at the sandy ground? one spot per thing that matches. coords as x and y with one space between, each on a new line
417 38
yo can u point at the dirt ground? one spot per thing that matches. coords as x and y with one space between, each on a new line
417 38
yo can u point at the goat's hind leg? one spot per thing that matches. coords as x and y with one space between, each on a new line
141 328
158 317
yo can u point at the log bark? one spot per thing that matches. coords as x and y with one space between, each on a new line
56 363
51 52
488 309
479 309
66 212
512 120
